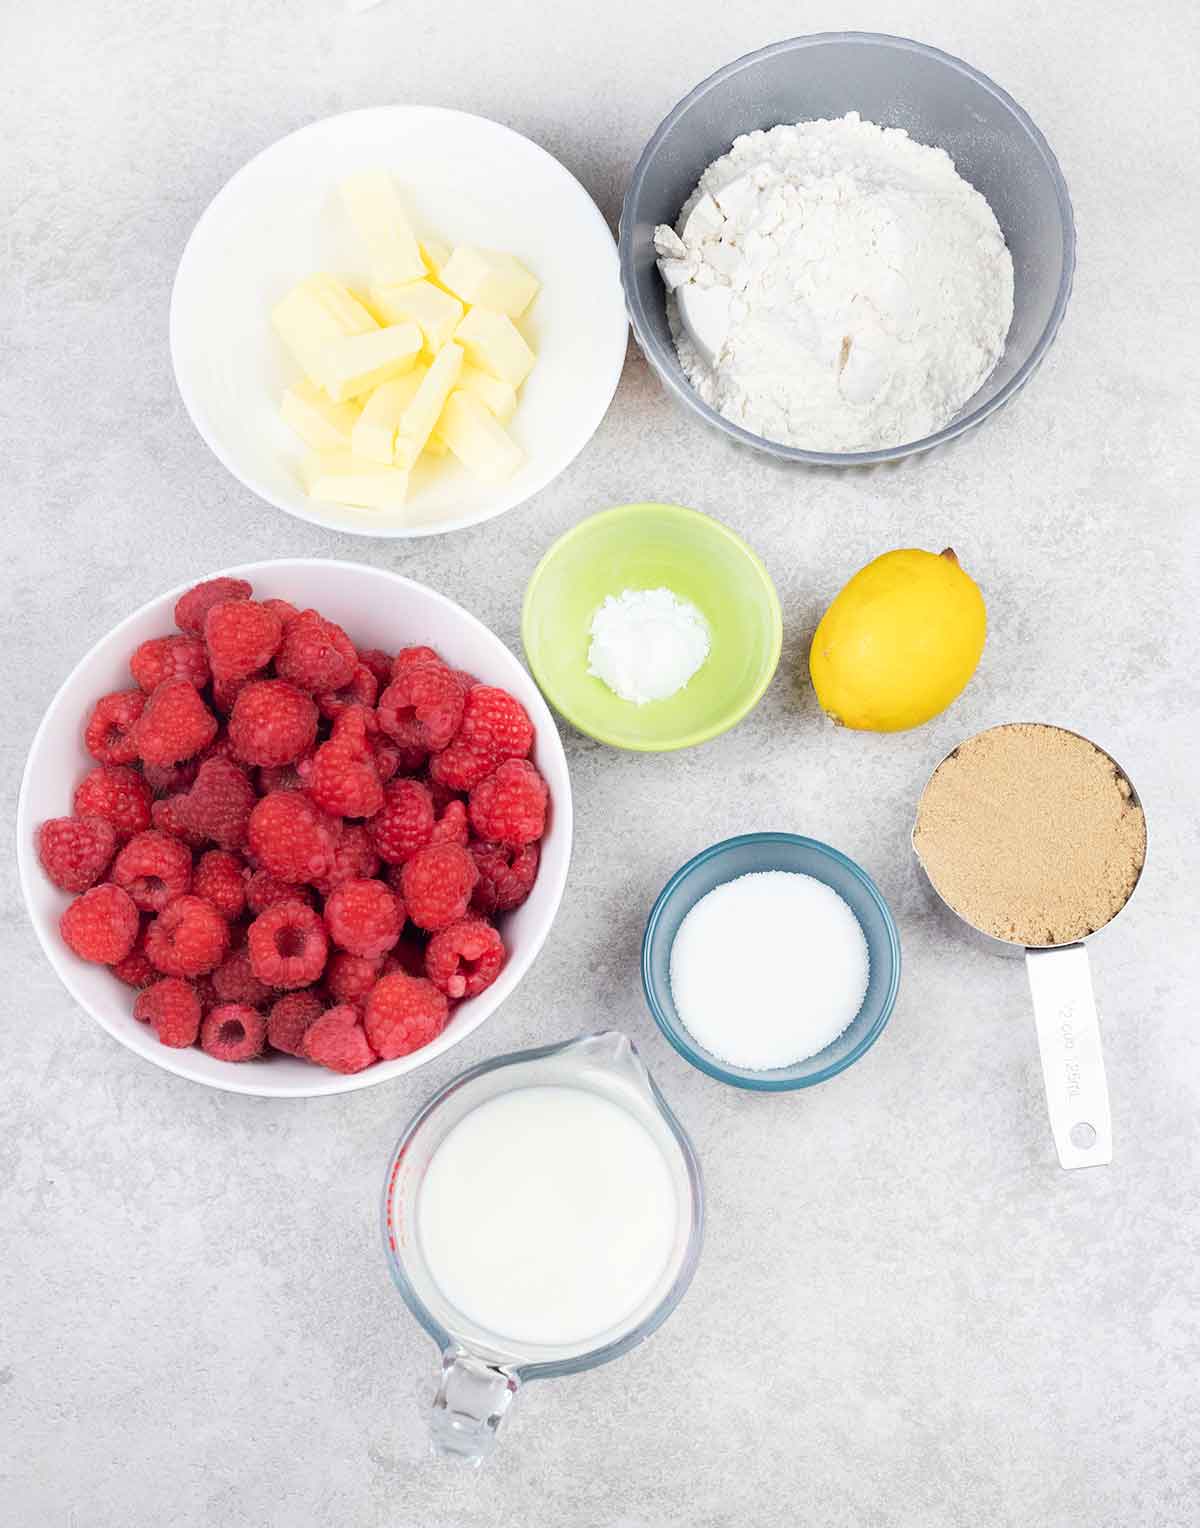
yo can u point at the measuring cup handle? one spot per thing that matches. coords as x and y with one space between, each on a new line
1072 1060
471 1402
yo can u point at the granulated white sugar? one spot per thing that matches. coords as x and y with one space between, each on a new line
769 969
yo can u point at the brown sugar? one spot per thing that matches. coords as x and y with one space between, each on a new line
1032 834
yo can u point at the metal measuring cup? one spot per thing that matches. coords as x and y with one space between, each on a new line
1064 1009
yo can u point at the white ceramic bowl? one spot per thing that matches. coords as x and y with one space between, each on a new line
378 609
464 179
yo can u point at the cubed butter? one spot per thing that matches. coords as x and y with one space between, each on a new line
356 363
493 343
319 422
374 434
306 326
489 278
479 441
420 302
436 446
421 415
435 254
374 208
497 396
342 303
336 477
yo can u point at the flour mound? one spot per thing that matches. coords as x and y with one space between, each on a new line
868 287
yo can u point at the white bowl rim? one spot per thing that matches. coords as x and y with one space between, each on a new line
504 503
323 1082
963 421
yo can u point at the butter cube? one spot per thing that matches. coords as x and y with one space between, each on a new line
319 422
420 417
336 477
354 316
435 254
374 434
493 343
422 303
500 398
481 443
357 363
489 278
436 446
306 326
375 210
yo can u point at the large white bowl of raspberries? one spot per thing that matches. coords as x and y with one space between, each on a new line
295 829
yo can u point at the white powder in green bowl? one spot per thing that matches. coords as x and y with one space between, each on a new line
647 644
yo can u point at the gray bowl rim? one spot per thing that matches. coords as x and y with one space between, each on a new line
769 1081
683 390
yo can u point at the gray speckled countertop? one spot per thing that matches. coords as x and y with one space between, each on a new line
905 1313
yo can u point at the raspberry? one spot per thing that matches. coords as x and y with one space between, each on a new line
422 707
135 970
452 826
284 609
409 655
174 725
437 884
119 795
292 839
360 690
153 868
192 608
101 925
218 878
170 658
465 958
509 807
289 1018
281 777
343 780
442 795
219 804
316 654
263 890
188 938
234 981
390 758
288 945
348 978
168 817
495 727
272 723
403 1014
233 1032
171 779
408 955
226 691
241 638
75 851
404 823
364 918
506 876
173 1008
353 859
337 1040
107 736
379 663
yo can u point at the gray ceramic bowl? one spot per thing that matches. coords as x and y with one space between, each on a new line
897 83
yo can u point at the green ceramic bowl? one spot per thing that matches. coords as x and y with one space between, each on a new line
653 546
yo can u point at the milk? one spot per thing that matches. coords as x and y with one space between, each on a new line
548 1215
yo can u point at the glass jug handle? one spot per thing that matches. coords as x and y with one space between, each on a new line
472 1400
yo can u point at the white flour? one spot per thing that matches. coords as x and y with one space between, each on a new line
836 286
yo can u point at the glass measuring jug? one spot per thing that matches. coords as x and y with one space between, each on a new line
483 1368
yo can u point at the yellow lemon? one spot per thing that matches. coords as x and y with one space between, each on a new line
899 642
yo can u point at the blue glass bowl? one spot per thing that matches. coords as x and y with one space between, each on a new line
774 851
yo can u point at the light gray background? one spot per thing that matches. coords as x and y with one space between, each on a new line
905 1312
